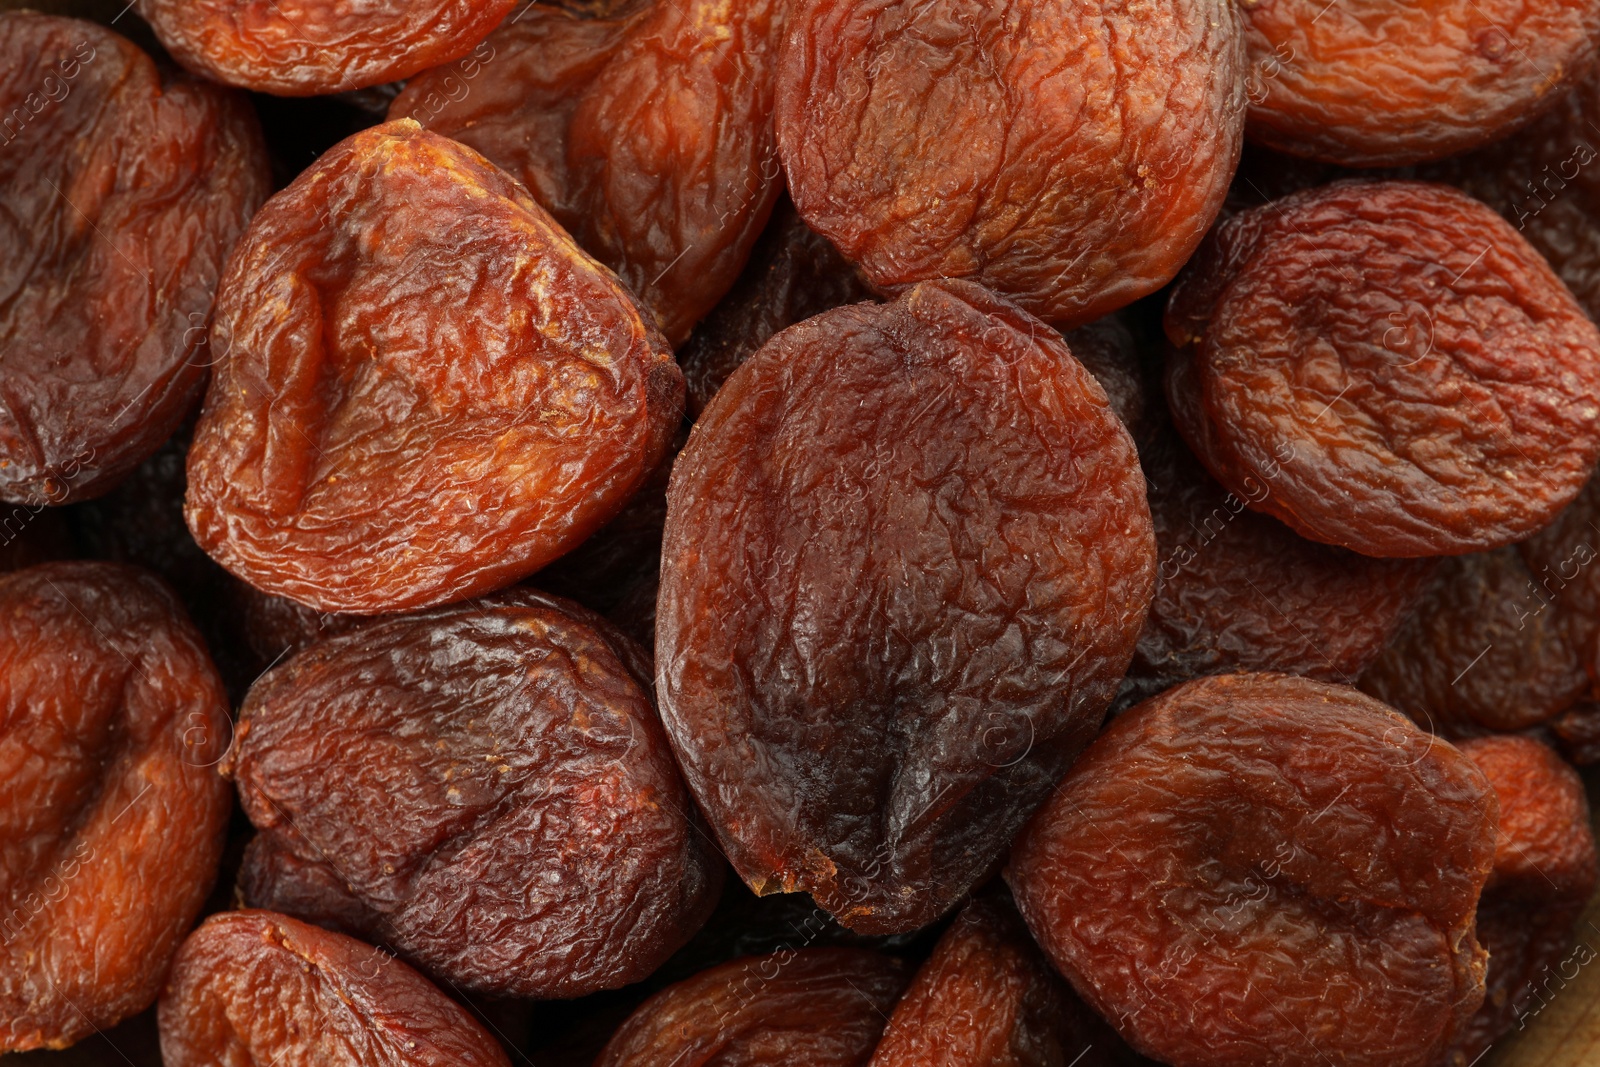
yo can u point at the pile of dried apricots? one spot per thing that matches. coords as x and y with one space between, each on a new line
909 533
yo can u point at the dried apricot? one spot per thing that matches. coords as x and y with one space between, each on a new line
1108 350
906 558
1260 869
1395 361
425 392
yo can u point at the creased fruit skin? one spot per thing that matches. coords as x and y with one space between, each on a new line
1395 360
1382 83
906 558
1108 349
426 391
823 1007
1261 869
988 997
254 987
1544 873
484 787
317 47
120 196
648 135
1067 155
112 721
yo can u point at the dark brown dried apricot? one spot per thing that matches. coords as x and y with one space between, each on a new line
506 813
906 559
425 390
112 721
1067 155
252 987
1400 367
647 135
120 195
1108 349
822 1007
1381 82
1563 560
1259 869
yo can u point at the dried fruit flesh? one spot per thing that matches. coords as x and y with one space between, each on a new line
648 135
1069 156
1380 83
112 720
1109 350
252 987
120 196
507 816
1263 869
426 391
906 559
1395 360
824 1007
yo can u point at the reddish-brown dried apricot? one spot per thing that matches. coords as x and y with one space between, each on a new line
822 1007
906 559
112 721
1395 361
505 812
1260 869
252 987
1564 562
312 47
1576 732
1544 873
1067 155
120 195
1381 82
426 391
1108 350
647 135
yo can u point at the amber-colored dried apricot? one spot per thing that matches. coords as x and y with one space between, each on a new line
120 195
1260 869
906 558
252 987
112 720
1397 364
426 391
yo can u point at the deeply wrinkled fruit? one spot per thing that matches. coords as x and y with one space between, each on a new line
1261 869
906 558
506 812
252 987
1067 155
1394 361
426 391
120 196
112 720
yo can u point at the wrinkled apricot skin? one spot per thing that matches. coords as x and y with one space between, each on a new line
1394 362
1380 83
906 558
1108 350
1069 156
425 390
648 135
507 815
252 987
823 1007
112 821
120 195
314 47
1260 869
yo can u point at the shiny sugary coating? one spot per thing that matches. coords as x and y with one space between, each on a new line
425 391
1385 82
1259 869
112 721
1067 155
316 47
648 135
821 1007
257 988
906 558
485 788
120 195
1395 360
